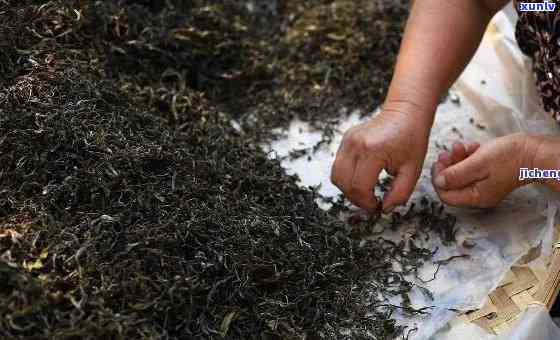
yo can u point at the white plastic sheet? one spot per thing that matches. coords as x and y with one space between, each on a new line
497 91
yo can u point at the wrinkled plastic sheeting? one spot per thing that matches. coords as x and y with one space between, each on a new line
496 91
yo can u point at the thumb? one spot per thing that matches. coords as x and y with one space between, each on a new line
401 189
463 173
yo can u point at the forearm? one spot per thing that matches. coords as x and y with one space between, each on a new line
544 154
440 39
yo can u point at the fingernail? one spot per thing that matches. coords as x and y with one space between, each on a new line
440 181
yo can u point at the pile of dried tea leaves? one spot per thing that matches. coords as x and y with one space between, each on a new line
132 207
262 62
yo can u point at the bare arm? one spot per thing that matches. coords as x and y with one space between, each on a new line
440 39
545 155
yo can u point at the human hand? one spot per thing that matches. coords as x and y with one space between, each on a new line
393 140
481 176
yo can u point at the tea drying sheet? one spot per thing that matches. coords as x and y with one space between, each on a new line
494 96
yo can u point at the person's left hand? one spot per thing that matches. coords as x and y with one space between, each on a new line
471 175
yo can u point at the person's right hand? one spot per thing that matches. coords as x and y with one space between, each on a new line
394 140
